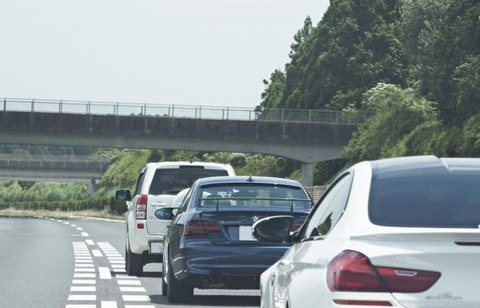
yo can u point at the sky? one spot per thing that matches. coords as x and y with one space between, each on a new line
182 52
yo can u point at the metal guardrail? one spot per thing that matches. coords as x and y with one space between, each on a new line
178 111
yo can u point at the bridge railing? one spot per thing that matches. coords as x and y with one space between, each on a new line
178 111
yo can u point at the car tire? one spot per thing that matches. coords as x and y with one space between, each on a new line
177 292
164 284
133 263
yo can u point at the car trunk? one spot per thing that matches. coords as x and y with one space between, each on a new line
455 254
236 225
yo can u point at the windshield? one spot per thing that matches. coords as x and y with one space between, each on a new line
281 197
172 181
432 201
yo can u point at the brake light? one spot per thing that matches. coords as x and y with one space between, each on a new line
200 227
141 207
353 271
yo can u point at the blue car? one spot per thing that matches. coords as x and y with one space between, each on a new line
209 244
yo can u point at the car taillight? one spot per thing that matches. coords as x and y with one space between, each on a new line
200 227
353 271
141 207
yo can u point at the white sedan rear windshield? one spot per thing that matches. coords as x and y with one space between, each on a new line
432 201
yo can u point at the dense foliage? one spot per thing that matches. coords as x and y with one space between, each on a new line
414 65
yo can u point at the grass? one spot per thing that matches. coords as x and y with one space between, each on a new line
12 212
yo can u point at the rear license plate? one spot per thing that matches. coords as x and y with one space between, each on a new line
156 247
245 233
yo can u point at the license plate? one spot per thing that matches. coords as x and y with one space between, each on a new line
156 247
245 233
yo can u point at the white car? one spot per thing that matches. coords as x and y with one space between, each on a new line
157 187
400 232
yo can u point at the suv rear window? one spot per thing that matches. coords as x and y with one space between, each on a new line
172 181
451 201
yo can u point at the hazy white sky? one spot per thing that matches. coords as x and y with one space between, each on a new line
190 52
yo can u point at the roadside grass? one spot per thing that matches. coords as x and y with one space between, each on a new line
104 214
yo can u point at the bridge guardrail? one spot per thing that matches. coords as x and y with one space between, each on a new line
179 111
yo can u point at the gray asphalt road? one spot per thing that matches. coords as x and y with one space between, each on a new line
80 263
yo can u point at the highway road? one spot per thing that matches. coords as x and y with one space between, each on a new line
46 262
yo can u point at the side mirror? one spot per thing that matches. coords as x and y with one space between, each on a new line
123 194
166 213
273 229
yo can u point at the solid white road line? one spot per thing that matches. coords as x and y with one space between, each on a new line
97 253
136 298
104 273
129 282
133 289
83 289
82 281
76 297
109 304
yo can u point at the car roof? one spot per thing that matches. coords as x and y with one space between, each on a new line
182 163
247 179
425 165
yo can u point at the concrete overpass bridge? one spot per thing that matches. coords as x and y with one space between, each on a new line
57 168
308 136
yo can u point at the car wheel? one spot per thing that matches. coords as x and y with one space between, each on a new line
164 284
133 263
177 292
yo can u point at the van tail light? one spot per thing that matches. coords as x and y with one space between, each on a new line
141 207
200 227
353 271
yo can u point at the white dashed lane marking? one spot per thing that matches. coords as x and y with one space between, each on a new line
83 291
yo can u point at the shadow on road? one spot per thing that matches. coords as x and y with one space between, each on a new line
213 300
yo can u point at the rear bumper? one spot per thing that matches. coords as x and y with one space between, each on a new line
215 266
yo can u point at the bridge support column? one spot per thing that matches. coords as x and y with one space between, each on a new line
92 187
307 174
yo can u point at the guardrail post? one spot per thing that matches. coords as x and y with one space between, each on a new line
60 107
145 109
199 112
310 115
4 104
228 113
88 108
173 111
33 104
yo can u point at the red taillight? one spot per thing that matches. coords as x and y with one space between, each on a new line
200 227
352 271
141 207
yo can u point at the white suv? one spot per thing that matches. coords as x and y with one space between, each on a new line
157 186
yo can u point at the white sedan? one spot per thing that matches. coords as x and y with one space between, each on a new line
400 232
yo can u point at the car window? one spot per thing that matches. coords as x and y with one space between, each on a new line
447 201
185 202
330 208
141 176
254 195
172 181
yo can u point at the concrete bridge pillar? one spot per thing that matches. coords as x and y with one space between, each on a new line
307 174
93 186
